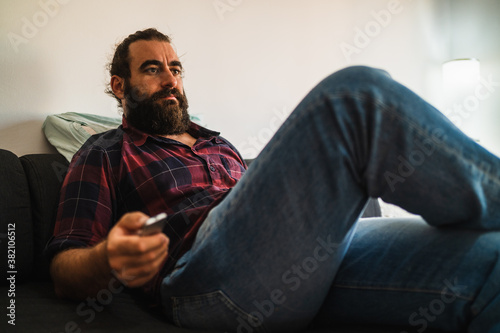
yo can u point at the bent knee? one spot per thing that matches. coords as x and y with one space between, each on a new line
359 75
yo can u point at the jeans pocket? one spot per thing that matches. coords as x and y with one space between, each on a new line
213 311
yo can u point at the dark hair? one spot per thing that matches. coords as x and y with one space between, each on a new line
120 64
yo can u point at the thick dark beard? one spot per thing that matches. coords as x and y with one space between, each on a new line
155 116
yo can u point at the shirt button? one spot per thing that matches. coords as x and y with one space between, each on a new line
212 168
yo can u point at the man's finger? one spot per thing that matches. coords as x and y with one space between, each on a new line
132 222
136 246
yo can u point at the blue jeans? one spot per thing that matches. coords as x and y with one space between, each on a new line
275 254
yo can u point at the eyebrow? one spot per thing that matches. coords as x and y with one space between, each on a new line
175 63
159 63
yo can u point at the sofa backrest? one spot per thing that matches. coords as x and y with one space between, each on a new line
29 195
45 174
16 231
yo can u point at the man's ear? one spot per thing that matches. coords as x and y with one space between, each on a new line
118 86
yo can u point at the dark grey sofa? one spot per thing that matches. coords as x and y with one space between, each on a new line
29 193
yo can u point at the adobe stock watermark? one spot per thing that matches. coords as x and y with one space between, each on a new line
427 314
31 26
470 104
87 309
292 280
60 170
11 273
381 19
417 156
457 114
222 7
254 144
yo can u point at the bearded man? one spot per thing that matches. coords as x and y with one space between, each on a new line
262 252
141 167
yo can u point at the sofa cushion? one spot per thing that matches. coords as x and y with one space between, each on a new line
15 219
45 173
38 310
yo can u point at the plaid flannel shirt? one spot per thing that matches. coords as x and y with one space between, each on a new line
125 170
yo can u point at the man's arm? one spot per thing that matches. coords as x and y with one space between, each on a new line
133 259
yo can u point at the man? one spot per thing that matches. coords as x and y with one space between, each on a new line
151 91
260 252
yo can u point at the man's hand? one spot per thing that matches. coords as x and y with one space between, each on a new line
82 272
135 259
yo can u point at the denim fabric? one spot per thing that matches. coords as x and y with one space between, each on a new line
404 272
267 258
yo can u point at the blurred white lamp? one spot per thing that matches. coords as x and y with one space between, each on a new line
460 80
461 72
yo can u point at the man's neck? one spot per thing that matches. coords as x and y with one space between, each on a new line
184 138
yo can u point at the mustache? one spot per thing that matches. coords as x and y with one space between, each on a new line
167 92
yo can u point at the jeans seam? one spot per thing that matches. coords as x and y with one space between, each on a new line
175 311
236 309
426 291
222 297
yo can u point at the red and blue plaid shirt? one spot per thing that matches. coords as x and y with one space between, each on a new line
125 170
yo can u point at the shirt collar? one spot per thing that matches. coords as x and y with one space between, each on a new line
139 137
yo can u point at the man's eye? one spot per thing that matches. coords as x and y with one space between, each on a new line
176 71
152 70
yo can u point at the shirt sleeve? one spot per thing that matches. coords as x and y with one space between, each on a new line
85 211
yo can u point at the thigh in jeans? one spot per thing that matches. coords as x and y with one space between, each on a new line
404 272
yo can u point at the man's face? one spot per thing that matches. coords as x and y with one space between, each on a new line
154 100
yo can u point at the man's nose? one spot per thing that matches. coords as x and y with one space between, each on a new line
168 79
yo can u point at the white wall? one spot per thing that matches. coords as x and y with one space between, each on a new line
475 27
249 62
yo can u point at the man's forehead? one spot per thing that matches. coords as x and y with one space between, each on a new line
143 50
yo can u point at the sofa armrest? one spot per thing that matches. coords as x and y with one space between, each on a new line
372 208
